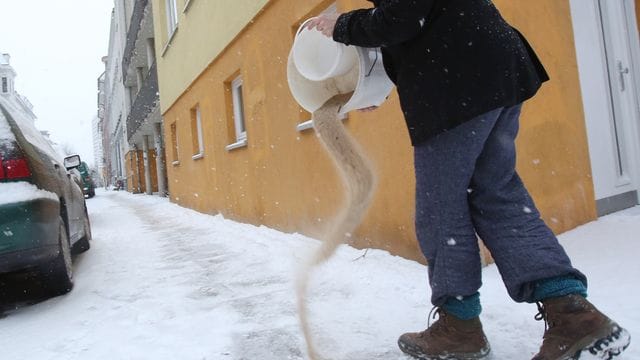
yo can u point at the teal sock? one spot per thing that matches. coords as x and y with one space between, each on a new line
557 287
465 308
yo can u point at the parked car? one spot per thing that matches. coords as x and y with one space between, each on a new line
88 186
43 214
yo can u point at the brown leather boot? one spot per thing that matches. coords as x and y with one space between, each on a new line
574 327
449 338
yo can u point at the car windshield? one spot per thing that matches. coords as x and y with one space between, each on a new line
84 169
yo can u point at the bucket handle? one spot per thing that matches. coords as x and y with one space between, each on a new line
303 25
373 65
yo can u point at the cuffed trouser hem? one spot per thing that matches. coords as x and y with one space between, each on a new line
557 287
464 308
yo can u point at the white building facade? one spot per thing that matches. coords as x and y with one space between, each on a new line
144 123
8 88
128 102
116 100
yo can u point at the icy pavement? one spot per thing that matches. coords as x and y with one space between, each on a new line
164 282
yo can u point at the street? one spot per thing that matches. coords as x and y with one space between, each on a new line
164 282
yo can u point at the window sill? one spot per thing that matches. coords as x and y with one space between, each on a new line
236 145
176 163
309 124
305 125
186 6
168 44
198 156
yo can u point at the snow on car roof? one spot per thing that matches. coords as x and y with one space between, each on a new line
5 130
26 127
22 191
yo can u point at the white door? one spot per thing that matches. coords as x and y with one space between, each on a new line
607 47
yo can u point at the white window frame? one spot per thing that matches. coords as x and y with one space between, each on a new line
238 114
187 4
175 145
172 17
5 85
200 153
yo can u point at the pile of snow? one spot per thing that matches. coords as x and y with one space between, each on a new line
6 135
164 282
27 128
21 191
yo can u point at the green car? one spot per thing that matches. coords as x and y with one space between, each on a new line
88 186
43 214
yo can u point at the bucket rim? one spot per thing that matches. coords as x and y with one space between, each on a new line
335 63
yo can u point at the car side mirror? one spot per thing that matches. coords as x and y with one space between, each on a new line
72 162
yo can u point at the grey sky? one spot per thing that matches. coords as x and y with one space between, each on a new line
56 49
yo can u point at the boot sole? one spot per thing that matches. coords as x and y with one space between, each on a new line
608 343
418 354
606 347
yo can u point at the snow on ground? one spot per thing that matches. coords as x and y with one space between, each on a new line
164 282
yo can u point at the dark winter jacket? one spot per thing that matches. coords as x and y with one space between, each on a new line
451 60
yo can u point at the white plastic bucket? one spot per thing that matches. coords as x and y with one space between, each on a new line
367 80
317 57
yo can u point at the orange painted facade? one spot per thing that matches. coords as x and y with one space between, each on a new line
283 178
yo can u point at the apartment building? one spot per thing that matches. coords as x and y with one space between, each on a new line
239 145
133 125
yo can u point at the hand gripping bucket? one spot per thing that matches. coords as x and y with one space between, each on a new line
314 79
319 58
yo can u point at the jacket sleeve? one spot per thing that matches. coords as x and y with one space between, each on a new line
391 22
389 68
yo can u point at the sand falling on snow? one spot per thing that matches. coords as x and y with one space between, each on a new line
359 182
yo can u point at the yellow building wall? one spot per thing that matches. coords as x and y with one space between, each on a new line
205 28
284 179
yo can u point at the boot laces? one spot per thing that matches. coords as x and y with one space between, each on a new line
438 326
542 315
436 311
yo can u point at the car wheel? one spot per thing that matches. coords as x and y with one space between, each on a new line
83 244
58 274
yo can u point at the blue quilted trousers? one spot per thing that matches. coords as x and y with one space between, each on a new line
467 187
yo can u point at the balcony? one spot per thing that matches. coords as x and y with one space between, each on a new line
141 27
145 102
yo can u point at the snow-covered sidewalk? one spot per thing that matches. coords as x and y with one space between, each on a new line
164 282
